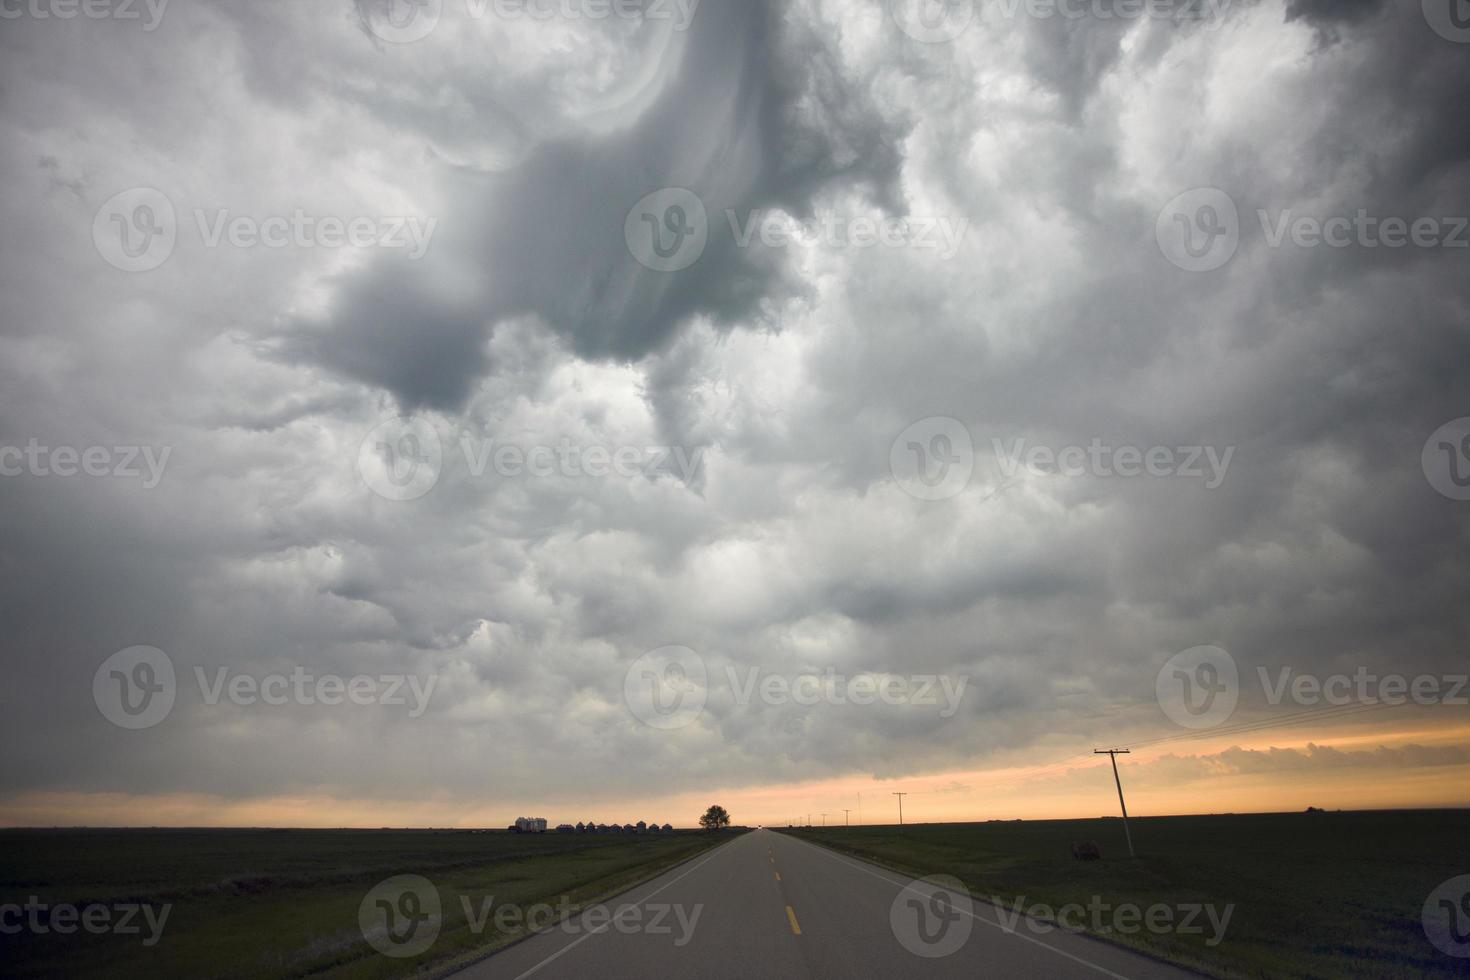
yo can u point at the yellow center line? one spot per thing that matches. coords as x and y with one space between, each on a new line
791 914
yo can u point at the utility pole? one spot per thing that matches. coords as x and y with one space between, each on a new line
846 822
900 810
823 815
1113 754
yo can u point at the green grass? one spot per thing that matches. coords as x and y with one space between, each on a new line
1315 895
273 903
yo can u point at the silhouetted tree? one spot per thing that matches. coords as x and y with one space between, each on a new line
714 818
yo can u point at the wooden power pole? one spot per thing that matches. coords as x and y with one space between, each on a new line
1113 754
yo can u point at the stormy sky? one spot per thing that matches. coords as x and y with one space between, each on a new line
827 274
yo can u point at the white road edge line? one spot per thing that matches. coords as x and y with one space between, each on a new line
603 928
908 886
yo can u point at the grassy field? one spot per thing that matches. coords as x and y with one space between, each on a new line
274 903
1315 895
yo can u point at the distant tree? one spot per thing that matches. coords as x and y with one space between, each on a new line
714 818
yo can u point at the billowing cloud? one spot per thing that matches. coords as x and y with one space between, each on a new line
621 458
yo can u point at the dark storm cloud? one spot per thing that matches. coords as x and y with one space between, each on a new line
792 549
548 238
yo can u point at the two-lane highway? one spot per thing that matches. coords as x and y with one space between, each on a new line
768 905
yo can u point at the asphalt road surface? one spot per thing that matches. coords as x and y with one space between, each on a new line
768 905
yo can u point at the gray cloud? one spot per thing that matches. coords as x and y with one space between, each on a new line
792 370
